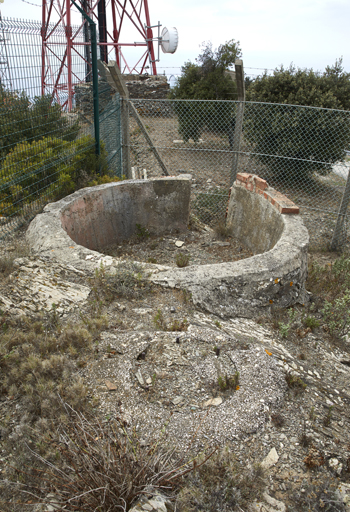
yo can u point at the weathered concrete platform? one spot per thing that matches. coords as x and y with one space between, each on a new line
75 228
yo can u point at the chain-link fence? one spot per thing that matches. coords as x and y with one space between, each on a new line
300 151
46 152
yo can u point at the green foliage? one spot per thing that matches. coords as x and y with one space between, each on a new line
50 166
285 328
311 322
182 260
25 120
141 232
328 418
337 314
225 383
207 80
295 383
308 139
331 284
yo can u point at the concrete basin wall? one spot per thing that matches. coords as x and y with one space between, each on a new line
268 223
72 229
107 214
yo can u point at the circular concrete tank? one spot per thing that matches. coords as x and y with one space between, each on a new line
73 229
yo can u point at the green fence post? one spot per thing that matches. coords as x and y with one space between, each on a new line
94 77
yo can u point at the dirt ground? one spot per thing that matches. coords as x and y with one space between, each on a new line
157 355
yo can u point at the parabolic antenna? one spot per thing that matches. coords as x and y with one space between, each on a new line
169 40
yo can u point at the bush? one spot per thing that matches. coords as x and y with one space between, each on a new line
24 120
207 80
50 166
295 141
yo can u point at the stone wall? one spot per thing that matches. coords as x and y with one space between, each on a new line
139 87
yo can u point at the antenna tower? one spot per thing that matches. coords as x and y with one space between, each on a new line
120 24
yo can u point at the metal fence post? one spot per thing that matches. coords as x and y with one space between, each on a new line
239 119
337 239
94 77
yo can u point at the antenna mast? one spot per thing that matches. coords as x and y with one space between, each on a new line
120 24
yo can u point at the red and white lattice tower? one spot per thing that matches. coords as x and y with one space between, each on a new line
124 34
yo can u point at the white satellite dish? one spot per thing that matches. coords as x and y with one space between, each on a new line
169 40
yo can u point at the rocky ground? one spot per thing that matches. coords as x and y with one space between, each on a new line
272 390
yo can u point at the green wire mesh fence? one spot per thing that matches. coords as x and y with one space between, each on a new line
45 151
300 151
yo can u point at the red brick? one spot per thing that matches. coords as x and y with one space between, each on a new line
289 209
260 183
243 176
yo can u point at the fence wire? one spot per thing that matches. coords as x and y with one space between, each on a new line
45 151
300 151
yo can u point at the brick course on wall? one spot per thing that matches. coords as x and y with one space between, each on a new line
259 186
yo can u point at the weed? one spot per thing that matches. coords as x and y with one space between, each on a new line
103 466
218 324
159 321
178 325
222 484
151 260
296 383
312 414
337 314
311 322
285 328
278 420
320 495
7 262
183 296
128 282
328 418
226 383
182 260
314 458
221 230
305 440
141 232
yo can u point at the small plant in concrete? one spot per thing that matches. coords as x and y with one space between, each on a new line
159 321
311 322
182 260
312 414
278 420
178 325
295 383
142 232
221 231
285 328
328 418
226 383
218 324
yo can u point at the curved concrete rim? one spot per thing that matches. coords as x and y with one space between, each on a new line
245 288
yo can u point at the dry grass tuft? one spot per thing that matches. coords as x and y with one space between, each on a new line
102 466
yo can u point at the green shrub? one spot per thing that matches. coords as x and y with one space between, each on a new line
337 314
24 120
290 138
50 166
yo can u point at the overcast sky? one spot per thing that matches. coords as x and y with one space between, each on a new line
271 32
